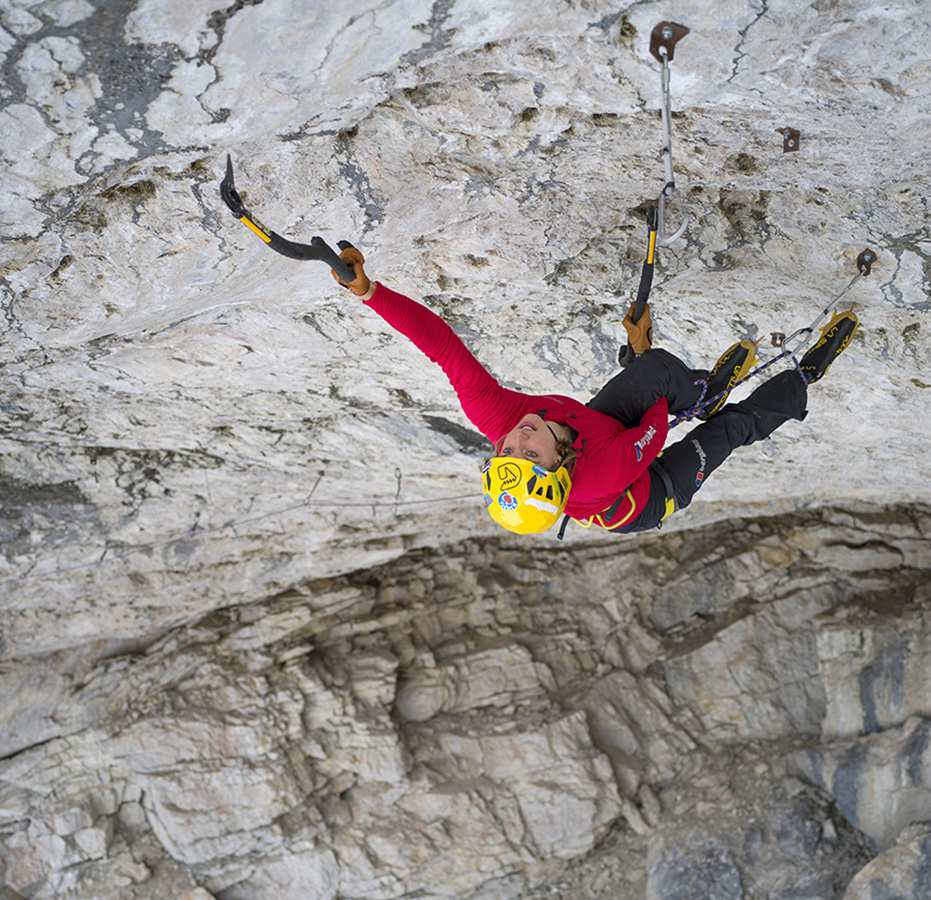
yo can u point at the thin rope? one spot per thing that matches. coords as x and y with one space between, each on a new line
686 415
196 534
701 404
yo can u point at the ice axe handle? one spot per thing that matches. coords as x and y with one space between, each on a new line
330 257
646 273
316 249
627 355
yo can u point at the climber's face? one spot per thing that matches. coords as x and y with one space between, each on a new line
531 439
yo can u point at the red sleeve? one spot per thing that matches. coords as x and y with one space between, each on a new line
637 447
492 409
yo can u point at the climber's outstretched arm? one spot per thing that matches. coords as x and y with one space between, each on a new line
491 408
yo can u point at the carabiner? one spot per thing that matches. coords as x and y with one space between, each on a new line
864 263
663 42
662 238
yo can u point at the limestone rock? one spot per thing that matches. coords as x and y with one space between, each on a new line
286 746
257 637
902 871
874 662
704 869
881 781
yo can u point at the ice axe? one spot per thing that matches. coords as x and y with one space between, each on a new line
316 249
627 355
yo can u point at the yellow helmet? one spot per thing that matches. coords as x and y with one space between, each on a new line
523 497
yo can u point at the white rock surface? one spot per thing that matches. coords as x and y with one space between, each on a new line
257 638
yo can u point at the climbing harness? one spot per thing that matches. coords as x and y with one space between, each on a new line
316 249
603 518
800 338
663 42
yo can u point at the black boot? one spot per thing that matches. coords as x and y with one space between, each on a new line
734 363
835 336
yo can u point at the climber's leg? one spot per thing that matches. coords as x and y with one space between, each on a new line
651 376
690 461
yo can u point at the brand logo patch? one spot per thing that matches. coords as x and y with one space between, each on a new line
506 501
651 433
702 459
509 475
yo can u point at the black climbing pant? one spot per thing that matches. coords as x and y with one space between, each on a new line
688 463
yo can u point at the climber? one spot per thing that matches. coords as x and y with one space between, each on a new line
601 462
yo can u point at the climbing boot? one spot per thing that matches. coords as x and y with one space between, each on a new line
835 336
733 365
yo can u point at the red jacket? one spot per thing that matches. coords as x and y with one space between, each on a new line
610 457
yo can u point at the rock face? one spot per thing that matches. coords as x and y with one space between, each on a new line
466 723
257 637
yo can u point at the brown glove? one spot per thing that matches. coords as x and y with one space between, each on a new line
639 335
360 284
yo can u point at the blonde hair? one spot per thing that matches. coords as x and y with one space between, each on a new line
566 453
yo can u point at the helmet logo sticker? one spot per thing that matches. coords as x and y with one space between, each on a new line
509 474
507 502
540 472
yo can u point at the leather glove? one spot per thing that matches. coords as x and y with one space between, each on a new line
639 334
353 258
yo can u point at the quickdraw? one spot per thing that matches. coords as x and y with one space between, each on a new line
864 265
802 336
316 249
663 42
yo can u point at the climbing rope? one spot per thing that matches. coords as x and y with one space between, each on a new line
702 404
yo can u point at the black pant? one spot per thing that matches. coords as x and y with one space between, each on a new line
689 462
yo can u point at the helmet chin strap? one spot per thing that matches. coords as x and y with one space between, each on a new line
555 438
